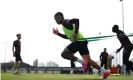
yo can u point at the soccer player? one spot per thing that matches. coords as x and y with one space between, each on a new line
71 30
16 48
126 44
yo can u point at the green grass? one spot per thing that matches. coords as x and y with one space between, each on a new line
9 76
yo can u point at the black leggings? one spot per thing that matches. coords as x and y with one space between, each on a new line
72 64
104 63
126 55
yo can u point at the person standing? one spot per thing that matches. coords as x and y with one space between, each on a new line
16 48
103 58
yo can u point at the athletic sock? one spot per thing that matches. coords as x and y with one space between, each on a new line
102 70
80 61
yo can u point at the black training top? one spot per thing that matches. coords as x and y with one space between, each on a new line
17 45
124 40
103 56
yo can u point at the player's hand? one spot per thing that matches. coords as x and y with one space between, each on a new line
55 31
117 51
75 36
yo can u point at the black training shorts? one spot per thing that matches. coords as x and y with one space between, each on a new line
18 57
80 46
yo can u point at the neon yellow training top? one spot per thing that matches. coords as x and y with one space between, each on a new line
69 33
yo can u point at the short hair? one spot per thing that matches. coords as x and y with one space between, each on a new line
59 13
18 34
116 27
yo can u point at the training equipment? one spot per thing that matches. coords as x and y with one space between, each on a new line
97 38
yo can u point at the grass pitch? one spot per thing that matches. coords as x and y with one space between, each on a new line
9 76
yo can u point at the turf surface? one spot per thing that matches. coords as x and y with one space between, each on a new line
9 76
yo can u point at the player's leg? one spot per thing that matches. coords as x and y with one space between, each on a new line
19 61
126 55
102 63
72 67
68 54
84 52
105 65
15 65
18 66
91 62
85 55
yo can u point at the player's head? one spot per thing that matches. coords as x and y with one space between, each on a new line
105 49
115 28
18 36
59 17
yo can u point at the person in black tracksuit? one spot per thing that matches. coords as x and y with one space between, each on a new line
126 45
103 58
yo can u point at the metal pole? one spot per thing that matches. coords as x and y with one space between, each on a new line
123 14
122 21
123 27
28 67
